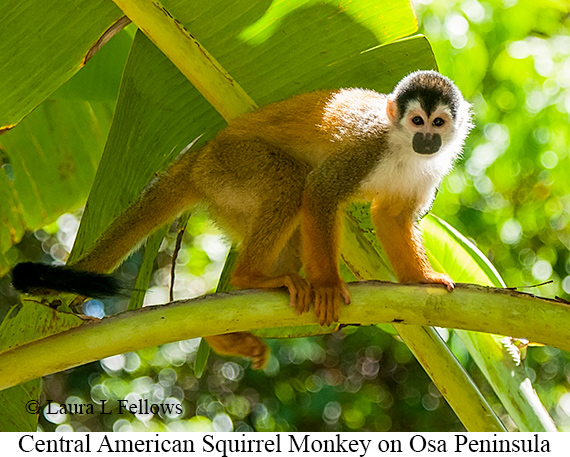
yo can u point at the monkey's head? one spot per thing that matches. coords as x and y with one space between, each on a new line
429 109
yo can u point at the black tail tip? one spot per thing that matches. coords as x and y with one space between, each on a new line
41 279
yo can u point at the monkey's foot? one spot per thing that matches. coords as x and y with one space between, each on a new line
241 344
438 278
299 288
327 302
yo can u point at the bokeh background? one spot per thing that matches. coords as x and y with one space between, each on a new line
509 193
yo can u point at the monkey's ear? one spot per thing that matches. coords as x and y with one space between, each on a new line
392 110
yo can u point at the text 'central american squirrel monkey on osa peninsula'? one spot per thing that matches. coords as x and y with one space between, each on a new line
278 179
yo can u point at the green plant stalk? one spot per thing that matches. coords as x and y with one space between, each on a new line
469 307
426 344
458 388
509 382
203 71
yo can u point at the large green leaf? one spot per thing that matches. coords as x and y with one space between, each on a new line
50 158
20 406
456 255
42 44
50 162
50 197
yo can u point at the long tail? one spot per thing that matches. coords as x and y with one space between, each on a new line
164 199
40 279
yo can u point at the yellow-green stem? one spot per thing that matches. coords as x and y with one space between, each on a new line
468 307
201 68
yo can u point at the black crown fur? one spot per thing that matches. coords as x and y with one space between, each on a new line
430 88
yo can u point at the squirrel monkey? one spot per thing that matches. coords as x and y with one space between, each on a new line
278 178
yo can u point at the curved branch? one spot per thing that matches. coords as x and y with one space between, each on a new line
468 307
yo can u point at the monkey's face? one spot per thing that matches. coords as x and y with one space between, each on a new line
429 114
428 130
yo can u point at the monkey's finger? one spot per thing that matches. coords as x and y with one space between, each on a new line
259 359
308 298
329 306
319 307
447 281
345 295
292 295
301 288
299 302
334 297
337 306
300 306
305 302
325 304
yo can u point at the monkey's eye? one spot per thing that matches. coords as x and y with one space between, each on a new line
417 120
438 122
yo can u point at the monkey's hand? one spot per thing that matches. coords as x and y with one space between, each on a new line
299 291
438 278
327 301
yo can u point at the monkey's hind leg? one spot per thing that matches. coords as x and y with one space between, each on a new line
243 344
260 203
246 344
259 264
259 269
256 189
